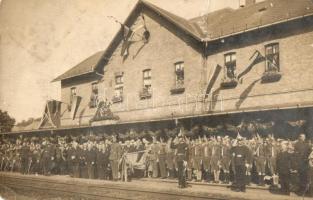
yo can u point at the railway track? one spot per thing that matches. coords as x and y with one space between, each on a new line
84 190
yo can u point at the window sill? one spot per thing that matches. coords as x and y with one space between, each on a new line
178 90
271 76
145 95
229 83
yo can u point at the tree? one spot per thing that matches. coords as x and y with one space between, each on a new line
6 122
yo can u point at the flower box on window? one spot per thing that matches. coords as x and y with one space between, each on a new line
117 99
178 88
145 93
229 83
271 76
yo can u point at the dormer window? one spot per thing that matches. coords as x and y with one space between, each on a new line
272 57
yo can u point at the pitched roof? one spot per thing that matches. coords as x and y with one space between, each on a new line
85 67
229 21
214 25
176 20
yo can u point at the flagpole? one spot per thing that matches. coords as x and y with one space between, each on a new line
117 21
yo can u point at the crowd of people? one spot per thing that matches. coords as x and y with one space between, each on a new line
216 159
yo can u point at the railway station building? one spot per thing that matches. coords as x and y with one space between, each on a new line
227 67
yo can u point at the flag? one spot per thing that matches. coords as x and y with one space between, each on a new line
51 115
126 43
75 103
213 78
256 58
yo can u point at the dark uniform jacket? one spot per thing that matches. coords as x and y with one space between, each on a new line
240 155
181 151
283 162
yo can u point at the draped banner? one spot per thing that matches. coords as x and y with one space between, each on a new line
136 159
51 115
213 78
74 106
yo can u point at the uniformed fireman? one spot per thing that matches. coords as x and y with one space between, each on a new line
182 148
240 156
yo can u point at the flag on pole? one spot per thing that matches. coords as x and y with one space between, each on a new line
256 58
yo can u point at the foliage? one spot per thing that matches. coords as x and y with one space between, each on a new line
27 122
6 122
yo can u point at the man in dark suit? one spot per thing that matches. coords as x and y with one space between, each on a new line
91 161
115 156
283 163
181 152
240 158
302 150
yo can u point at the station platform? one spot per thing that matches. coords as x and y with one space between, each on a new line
17 186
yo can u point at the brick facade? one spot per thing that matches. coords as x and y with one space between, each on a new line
168 45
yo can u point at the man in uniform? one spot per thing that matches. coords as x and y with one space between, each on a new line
162 158
73 157
181 147
225 159
91 160
271 156
197 159
216 159
47 157
170 159
206 159
115 156
24 152
102 160
260 161
154 158
240 157
283 168
302 150
83 160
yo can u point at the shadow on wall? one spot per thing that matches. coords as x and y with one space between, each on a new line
81 114
215 96
243 96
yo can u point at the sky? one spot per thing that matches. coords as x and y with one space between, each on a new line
41 39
